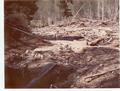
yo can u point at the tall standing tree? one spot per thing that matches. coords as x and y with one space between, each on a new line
65 10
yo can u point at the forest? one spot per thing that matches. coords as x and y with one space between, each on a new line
56 10
62 44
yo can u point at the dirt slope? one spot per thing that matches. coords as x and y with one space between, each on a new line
83 54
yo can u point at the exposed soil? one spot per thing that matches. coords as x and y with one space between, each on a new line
81 54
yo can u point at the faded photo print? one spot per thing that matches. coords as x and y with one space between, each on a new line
61 44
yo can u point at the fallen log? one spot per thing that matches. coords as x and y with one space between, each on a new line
96 41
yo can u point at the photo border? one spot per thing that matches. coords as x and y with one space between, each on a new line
2 63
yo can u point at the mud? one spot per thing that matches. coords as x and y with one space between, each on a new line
72 58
